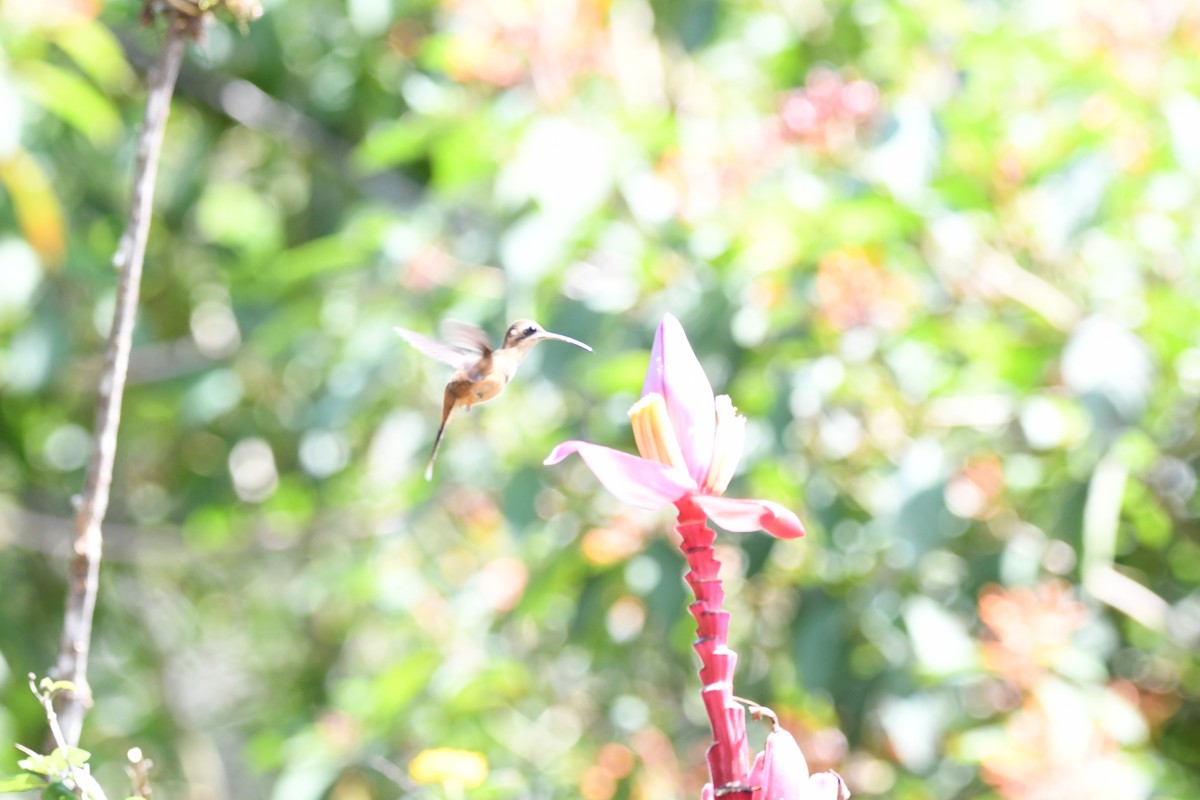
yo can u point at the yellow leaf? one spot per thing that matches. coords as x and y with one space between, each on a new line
37 209
447 766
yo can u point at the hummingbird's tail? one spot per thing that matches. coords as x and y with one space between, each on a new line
447 407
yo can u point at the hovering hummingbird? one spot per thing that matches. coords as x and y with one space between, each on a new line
480 372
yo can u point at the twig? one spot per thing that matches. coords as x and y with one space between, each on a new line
758 712
1126 595
47 701
1001 272
393 773
139 773
80 774
92 504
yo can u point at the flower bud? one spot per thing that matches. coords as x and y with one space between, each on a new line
781 773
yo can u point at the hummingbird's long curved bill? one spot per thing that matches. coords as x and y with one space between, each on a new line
561 338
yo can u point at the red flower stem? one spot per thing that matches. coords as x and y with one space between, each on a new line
729 755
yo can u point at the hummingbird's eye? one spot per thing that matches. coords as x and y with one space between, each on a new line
531 330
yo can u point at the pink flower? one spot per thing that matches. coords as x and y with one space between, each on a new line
690 444
780 772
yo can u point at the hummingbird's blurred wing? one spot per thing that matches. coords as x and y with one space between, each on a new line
466 336
457 357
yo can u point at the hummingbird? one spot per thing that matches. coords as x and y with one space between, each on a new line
480 371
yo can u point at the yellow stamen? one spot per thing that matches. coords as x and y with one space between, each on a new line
728 441
653 432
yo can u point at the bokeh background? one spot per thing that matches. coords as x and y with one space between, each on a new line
942 254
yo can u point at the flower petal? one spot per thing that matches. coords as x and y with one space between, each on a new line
676 374
826 786
634 480
781 772
743 516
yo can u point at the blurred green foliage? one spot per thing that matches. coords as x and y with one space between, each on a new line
941 253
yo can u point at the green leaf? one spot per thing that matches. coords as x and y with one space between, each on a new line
393 143
238 216
21 783
76 757
463 156
71 98
58 791
328 254
96 51
42 765
56 762
399 685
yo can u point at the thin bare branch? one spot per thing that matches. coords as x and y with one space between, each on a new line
139 773
92 503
